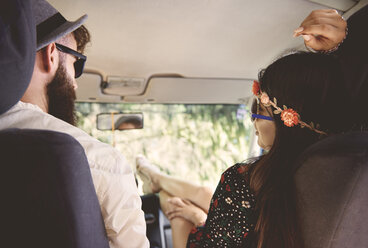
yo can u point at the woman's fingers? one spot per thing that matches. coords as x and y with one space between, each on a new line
322 29
170 212
318 43
327 15
172 215
186 202
322 24
323 13
337 23
323 19
173 208
322 37
176 201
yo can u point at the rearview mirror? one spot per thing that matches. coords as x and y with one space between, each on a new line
119 121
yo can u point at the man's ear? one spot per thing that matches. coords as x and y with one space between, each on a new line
50 58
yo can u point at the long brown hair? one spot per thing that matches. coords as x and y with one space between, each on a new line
312 85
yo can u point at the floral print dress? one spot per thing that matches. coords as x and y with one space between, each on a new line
231 218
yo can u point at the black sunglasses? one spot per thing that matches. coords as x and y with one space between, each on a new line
79 63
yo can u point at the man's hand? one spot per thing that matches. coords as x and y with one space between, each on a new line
322 30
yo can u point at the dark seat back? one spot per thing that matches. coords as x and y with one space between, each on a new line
48 197
332 187
158 226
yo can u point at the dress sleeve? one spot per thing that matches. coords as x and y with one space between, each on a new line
231 219
355 44
353 52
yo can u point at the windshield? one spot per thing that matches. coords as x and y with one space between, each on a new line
192 142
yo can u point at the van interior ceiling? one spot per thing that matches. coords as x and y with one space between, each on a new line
218 44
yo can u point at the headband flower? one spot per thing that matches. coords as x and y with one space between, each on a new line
256 89
265 100
288 115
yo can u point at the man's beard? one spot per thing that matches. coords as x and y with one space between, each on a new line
61 96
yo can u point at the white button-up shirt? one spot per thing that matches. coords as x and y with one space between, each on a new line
112 176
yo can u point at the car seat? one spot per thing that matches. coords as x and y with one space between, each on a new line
332 190
48 197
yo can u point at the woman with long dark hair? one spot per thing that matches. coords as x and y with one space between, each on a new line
304 94
299 100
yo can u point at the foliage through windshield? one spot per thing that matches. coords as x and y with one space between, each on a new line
193 142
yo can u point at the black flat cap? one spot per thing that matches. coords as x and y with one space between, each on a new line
51 25
17 50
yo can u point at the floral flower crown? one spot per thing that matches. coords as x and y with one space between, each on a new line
289 116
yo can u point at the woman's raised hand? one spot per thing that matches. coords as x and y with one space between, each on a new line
322 30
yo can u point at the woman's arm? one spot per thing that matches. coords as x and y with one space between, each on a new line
355 46
322 30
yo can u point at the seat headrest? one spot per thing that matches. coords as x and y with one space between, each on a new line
331 182
17 50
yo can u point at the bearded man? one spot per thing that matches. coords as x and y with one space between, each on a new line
55 72
48 104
